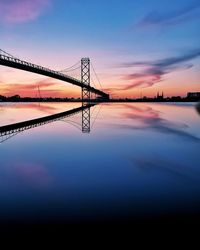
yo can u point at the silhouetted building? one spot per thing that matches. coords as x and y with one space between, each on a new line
14 98
2 98
160 97
176 98
193 95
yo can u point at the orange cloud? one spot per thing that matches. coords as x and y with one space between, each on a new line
48 88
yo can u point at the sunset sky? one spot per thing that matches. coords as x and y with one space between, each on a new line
137 47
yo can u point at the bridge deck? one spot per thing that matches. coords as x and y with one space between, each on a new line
21 126
26 66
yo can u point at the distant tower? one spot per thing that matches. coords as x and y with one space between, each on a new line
160 97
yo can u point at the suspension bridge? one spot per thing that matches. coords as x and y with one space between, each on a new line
81 79
84 82
87 121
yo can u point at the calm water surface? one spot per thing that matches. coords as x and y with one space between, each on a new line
138 160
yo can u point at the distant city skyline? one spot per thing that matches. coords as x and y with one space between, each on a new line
189 97
136 46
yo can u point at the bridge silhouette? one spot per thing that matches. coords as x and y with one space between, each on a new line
8 60
8 131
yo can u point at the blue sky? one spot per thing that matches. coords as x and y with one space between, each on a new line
140 34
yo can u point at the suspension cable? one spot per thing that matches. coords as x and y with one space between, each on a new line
70 67
8 54
96 76
65 71
93 82
74 124
96 116
94 108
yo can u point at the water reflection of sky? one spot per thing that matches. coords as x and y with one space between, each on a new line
138 158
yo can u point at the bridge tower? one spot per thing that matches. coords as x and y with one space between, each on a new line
85 78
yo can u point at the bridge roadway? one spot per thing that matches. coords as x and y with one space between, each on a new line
21 126
26 66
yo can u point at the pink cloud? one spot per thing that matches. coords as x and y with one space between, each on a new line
44 84
20 11
48 87
137 80
144 80
32 174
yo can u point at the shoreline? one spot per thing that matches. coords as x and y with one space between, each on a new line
101 101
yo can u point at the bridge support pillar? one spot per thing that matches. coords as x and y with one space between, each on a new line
86 120
85 78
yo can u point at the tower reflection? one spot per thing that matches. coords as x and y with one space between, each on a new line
11 130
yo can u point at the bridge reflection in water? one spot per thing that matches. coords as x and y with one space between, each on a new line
8 131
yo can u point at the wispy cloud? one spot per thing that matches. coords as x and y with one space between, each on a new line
33 175
173 17
20 11
44 107
31 86
168 167
48 87
29 89
151 119
153 71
